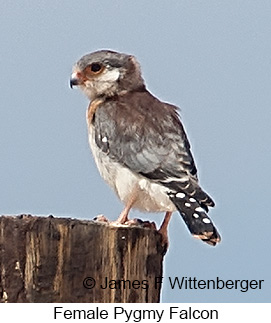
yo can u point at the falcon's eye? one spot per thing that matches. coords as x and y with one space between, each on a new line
95 67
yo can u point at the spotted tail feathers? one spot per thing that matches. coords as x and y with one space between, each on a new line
194 214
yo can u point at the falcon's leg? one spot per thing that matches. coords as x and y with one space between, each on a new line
123 217
164 230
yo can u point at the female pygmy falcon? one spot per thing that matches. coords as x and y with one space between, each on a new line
139 144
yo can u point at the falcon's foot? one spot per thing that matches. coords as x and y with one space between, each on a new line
135 222
141 223
101 218
164 232
123 217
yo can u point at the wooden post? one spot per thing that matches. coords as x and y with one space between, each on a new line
47 259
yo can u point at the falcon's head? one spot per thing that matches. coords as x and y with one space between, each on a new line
106 73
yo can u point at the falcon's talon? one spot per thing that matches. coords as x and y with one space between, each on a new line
163 230
116 224
139 144
141 223
150 225
134 222
164 244
101 218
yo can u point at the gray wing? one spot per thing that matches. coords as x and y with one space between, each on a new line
147 136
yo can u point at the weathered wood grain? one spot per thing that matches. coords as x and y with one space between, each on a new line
47 259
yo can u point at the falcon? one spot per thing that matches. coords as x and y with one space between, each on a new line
139 144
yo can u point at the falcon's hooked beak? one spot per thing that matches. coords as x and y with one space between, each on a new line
75 80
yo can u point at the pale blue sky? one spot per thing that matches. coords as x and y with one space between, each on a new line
211 58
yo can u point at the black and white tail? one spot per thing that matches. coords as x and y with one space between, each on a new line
195 216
